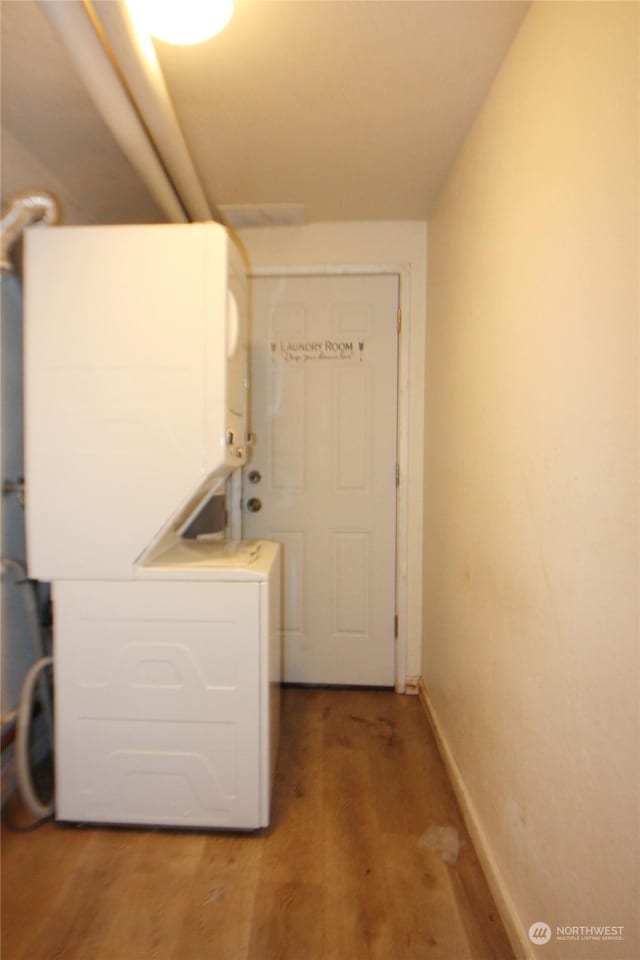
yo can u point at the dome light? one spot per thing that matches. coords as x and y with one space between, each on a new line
182 22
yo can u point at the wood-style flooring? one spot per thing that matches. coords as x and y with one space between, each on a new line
341 873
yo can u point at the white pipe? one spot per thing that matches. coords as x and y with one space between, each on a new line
8 720
29 596
22 753
137 60
33 206
34 678
72 24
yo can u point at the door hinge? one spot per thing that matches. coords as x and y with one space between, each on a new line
397 474
395 626
399 320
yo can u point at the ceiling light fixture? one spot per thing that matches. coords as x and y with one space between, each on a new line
182 22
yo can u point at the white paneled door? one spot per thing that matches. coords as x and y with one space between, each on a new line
323 469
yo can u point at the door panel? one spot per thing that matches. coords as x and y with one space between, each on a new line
324 412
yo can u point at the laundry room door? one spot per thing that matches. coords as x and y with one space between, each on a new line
322 476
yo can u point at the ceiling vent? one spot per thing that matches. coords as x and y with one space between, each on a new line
263 214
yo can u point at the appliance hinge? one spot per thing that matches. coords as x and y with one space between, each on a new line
399 320
397 474
395 626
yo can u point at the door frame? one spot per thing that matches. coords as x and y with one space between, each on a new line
403 274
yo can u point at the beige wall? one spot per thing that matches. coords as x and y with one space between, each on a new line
531 498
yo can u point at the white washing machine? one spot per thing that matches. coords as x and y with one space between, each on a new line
167 690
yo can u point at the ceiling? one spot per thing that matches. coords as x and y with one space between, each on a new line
355 109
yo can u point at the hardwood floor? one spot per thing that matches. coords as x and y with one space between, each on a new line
340 874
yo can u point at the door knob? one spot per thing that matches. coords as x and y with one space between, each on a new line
254 476
254 504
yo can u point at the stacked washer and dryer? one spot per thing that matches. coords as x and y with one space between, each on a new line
166 624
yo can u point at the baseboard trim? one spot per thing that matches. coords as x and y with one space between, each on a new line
412 685
506 908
